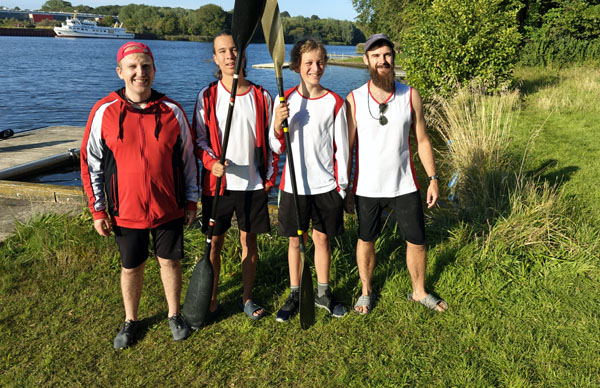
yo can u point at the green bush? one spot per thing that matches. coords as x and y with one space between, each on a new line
572 18
561 52
461 42
570 34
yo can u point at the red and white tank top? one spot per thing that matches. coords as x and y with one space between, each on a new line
384 167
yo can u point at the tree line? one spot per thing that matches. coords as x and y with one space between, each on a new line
203 23
444 42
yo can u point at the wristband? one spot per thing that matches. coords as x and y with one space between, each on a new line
433 177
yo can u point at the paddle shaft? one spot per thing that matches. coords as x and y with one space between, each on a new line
215 203
307 307
246 16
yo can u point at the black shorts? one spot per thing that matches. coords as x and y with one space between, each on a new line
408 212
133 243
325 210
250 207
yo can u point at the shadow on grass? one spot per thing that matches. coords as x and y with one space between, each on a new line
390 252
146 324
532 85
545 172
272 277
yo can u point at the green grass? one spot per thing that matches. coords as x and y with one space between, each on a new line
524 306
564 104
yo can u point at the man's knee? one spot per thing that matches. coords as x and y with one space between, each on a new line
365 248
320 238
217 242
169 264
294 242
416 248
248 241
130 271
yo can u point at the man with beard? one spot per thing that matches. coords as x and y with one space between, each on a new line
381 114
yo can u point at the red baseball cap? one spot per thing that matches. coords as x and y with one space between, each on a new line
133 48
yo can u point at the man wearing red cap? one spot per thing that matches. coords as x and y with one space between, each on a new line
381 115
140 175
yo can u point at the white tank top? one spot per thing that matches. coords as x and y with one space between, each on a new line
384 167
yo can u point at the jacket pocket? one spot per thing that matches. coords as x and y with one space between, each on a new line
112 191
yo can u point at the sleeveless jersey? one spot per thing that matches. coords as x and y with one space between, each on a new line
384 167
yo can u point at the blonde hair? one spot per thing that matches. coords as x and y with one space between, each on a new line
305 46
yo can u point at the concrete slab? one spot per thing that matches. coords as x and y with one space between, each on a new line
28 147
19 202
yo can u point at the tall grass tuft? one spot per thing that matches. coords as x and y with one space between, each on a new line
540 227
477 130
524 220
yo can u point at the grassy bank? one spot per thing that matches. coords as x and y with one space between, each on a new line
521 279
563 104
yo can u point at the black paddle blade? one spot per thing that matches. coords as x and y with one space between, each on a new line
246 16
199 292
307 297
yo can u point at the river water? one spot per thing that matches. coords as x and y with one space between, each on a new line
56 81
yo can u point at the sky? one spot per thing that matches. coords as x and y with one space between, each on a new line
336 9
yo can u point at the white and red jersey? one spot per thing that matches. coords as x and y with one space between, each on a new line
319 143
251 163
384 167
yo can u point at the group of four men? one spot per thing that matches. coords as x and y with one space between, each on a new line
139 161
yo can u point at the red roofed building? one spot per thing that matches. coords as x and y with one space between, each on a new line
36 17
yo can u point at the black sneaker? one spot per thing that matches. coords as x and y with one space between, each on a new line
328 302
289 308
126 336
179 327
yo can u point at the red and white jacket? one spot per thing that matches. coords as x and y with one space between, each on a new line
139 164
252 164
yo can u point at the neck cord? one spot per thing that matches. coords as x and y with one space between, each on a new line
380 109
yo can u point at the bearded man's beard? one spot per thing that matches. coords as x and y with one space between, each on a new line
383 81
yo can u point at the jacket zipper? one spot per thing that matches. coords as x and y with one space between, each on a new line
145 166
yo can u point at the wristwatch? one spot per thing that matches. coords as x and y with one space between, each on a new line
433 177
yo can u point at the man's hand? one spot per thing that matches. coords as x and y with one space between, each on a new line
219 169
103 227
268 188
282 112
433 193
189 216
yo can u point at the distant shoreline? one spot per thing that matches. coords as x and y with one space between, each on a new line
43 32
49 33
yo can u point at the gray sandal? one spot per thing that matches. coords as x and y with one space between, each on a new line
365 300
431 302
250 308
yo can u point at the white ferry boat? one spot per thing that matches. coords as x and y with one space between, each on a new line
75 28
